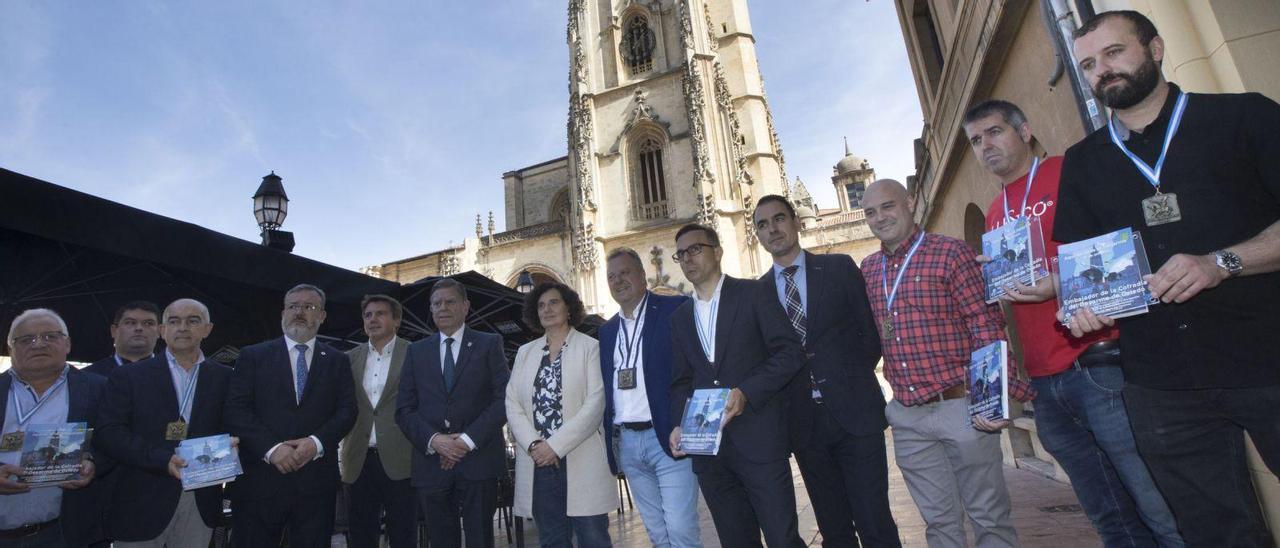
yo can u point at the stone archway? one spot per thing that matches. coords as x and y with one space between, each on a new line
975 225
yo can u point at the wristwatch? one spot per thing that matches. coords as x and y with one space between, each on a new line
1230 262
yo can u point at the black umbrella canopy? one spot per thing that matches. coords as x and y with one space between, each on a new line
84 256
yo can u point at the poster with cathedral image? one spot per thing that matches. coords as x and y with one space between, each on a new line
211 460
51 453
703 421
1016 250
1106 274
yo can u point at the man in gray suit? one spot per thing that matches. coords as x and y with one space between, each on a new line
375 454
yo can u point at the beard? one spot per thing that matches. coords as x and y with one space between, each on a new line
1136 86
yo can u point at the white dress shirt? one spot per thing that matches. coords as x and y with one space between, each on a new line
293 372
457 340
705 314
377 365
630 405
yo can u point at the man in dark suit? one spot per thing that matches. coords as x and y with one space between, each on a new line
635 363
375 454
134 332
734 336
836 406
48 391
452 408
147 410
290 402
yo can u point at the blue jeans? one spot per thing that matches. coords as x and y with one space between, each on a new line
665 489
1081 420
556 527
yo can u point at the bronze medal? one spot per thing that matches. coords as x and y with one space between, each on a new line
627 378
1161 209
887 327
175 431
11 441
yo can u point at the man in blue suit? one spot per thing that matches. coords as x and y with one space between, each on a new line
290 402
147 410
836 407
734 336
635 361
451 406
46 390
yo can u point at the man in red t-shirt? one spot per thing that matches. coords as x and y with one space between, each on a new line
1080 417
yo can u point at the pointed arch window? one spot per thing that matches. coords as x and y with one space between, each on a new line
638 43
649 194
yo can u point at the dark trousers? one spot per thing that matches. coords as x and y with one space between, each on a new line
374 493
1193 442
847 478
556 528
746 498
50 537
259 523
472 502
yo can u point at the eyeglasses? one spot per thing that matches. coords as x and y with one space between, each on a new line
48 338
308 307
691 251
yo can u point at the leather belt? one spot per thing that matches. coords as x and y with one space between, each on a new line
954 393
1100 354
638 426
27 530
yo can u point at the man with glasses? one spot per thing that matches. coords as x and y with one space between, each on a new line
41 389
734 336
290 402
133 333
148 409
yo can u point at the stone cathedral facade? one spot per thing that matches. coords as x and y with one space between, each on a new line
668 123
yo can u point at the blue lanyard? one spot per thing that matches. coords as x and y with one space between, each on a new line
884 273
707 336
1031 177
1153 174
24 416
188 394
630 341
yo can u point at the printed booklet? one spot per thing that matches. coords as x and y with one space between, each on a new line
51 453
210 461
989 382
1017 253
1106 274
703 421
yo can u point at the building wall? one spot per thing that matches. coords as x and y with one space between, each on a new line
529 192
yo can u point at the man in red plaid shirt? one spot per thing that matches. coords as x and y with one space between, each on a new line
926 293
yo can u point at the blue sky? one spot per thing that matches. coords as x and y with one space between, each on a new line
391 122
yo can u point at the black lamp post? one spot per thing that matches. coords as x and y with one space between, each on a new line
525 283
270 207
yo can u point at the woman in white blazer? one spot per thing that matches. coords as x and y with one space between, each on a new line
555 405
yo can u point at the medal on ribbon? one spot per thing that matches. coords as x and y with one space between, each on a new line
13 440
630 348
886 325
1162 208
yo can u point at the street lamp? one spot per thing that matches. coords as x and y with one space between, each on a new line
525 282
270 207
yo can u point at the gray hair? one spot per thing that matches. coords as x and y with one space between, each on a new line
621 251
33 314
204 310
306 287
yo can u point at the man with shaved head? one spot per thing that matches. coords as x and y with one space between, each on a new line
928 298
148 409
41 389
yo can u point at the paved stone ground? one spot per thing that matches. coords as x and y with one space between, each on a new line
1045 513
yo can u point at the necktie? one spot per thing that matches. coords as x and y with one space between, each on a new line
301 369
449 364
795 308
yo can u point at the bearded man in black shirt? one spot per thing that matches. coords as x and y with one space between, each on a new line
1198 176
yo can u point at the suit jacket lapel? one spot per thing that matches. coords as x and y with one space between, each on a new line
727 309
169 394
609 340
5 381
814 276
283 355
201 403
398 350
78 407
461 356
319 362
